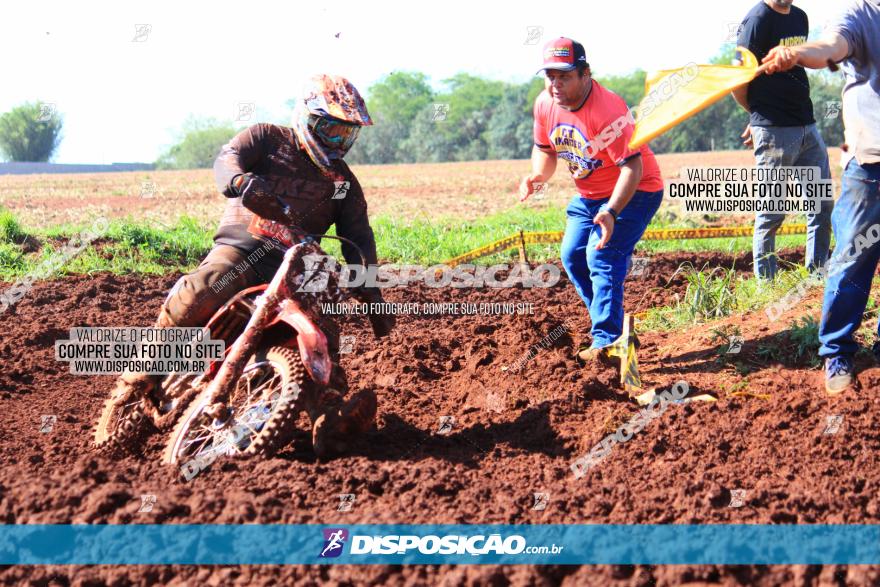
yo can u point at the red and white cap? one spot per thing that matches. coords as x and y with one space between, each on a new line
563 54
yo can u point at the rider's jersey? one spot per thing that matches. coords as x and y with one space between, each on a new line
271 152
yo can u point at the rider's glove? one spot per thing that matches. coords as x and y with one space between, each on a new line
247 183
258 197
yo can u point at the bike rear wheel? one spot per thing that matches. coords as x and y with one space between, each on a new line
123 425
127 420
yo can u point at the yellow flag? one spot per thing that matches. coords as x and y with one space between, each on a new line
674 95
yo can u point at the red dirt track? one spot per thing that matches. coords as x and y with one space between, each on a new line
515 433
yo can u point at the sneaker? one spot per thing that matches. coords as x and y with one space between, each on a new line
838 374
596 356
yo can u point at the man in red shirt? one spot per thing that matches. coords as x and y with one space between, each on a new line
619 189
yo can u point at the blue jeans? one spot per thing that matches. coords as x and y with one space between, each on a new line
598 275
783 146
854 260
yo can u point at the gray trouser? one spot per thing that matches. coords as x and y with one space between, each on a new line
783 146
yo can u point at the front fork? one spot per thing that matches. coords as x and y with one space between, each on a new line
273 305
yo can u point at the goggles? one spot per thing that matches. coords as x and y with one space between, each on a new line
334 133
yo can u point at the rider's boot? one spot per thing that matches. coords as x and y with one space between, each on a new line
131 384
337 422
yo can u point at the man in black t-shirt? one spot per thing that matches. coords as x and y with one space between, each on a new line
781 126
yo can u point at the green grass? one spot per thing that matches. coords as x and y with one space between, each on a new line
436 241
717 292
137 248
11 231
726 245
12 260
141 247
427 242
797 345
126 247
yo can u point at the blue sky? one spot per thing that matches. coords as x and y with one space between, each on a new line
123 93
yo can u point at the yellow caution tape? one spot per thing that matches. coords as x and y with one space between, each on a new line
716 232
540 238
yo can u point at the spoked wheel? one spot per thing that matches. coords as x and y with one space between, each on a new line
262 413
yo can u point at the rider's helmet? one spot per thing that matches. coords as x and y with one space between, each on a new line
328 118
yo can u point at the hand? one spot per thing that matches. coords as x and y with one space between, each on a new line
529 186
747 136
781 59
606 221
258 196
247 183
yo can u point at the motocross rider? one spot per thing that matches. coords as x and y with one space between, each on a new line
293 176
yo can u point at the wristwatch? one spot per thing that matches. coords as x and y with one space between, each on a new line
610 210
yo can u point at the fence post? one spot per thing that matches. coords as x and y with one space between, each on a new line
523 256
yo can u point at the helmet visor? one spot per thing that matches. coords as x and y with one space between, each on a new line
335 133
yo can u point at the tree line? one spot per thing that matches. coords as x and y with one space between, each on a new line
473 118
469 118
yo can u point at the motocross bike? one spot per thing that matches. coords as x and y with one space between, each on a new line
276 358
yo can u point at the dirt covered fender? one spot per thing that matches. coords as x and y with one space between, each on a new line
312 342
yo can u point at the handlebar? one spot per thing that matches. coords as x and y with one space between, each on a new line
360 251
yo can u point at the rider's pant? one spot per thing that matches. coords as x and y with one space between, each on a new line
222 274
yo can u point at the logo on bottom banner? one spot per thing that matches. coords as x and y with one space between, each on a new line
334 541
